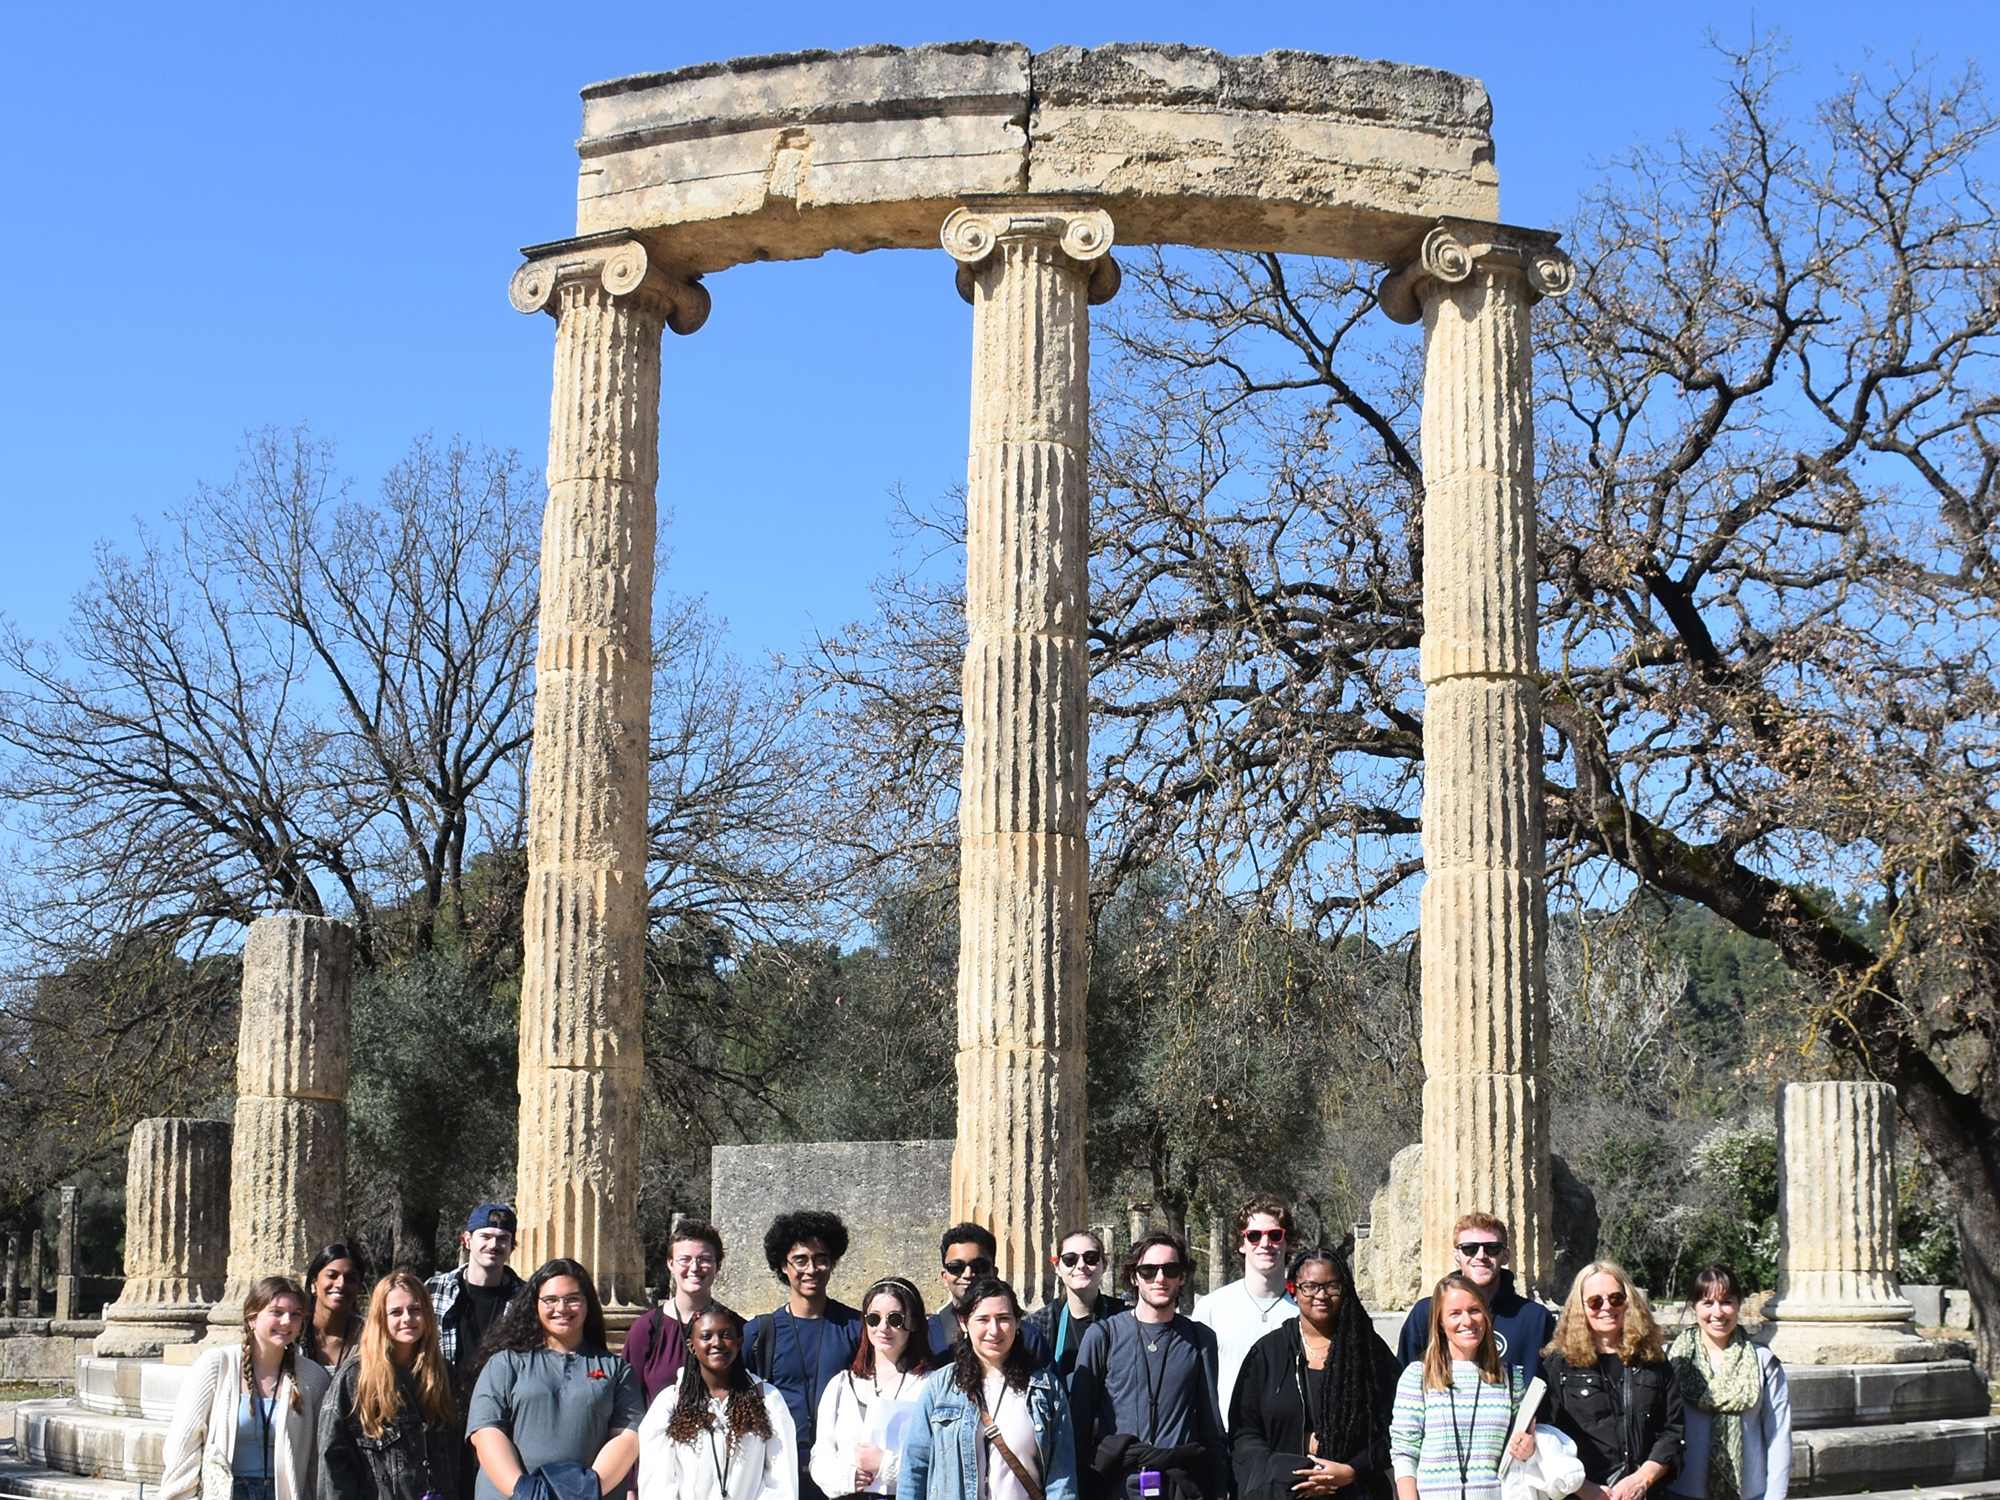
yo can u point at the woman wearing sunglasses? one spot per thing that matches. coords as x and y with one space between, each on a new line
1310 1415
857 1449
1080 1263
1610 1387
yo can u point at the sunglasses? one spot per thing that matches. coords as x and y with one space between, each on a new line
1173 1270
1074 1258
1259 1236
1613 1300
876 1320
979 1267
1474 1249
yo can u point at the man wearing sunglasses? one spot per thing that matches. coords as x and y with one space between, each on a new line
965 1253
1520 1327
1245 1310
1143 1392
1080 1267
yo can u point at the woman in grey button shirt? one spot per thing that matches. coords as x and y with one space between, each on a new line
550 1391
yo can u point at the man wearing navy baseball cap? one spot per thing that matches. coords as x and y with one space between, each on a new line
469 1301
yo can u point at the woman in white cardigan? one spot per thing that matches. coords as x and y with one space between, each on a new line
246 1421
895 1353
1739 1411
718 1433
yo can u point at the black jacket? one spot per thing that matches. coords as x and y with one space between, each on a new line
412 1457
1269 1422
1063 1334
1620 1415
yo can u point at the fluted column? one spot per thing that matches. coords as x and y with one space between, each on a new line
176 1236
1484 914
288 1153
1838 1300
577 1180
1031 274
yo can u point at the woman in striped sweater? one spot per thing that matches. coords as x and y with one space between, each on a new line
1456 1406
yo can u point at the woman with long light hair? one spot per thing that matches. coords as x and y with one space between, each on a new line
1456 1406
1610 1387
244 1421
387 1428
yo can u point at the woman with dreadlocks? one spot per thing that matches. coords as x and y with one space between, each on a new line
1310 1412
718 1433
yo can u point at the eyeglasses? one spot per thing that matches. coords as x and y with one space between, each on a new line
1173 1270
1074 1258
1259 1236
1475 1249
876 1320
809 1262
695 1262
1315 1289
980 1267
1613 1300
569 1304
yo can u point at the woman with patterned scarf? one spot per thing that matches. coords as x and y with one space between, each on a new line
1739 1415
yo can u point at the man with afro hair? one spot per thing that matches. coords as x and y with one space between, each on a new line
809 1339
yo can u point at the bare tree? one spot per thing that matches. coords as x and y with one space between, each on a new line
1768 519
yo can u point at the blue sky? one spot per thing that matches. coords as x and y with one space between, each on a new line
220 217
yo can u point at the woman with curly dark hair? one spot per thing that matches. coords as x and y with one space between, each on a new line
550 1391
1310 1412
994 1424
719 1433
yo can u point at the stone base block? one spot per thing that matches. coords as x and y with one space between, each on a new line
142 1332
26 1481
1846 1460
129 1387
44 1351
1830 1396
1799 1342
62 1435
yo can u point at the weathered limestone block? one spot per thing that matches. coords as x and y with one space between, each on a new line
176 1236
1837 1300
288 1150
585 923
1031 274
1484 915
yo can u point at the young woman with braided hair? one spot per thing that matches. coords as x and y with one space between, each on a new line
718 1433
245 1424
1310 1412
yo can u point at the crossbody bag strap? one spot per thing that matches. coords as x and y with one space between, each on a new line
992 1431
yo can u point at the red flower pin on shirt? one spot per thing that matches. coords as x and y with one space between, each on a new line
599 1375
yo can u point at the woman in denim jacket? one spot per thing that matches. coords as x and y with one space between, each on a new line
991 1383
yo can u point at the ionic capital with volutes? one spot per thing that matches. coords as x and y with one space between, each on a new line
1082 234
1452 251
620 263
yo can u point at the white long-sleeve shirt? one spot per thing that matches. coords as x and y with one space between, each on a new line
705 1469
844 1410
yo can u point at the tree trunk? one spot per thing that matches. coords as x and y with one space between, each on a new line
416 1235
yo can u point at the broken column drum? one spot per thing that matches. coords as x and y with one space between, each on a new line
176 1236
288 1152
1025 167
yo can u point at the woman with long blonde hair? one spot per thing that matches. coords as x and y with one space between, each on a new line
1456 1406
388 1429
1610 1387
244 1420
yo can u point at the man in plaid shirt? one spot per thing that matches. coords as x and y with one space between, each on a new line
469 1301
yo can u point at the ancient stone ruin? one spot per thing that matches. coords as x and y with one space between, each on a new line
176 1236
1028 168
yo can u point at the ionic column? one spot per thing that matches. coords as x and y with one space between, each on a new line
1838 1299
577 1182
1485 1012
1031 274
176 1236
288 1153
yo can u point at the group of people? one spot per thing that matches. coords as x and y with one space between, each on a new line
482 1385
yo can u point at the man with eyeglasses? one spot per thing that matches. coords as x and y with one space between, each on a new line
1143 1391
1080 1266
657 1345
1246 1309
468 1301
1520 1326
965 1253
809 1340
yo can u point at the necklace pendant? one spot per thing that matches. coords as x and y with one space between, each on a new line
1152 1348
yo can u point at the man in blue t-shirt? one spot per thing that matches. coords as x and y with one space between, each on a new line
804 1344
1520 1326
